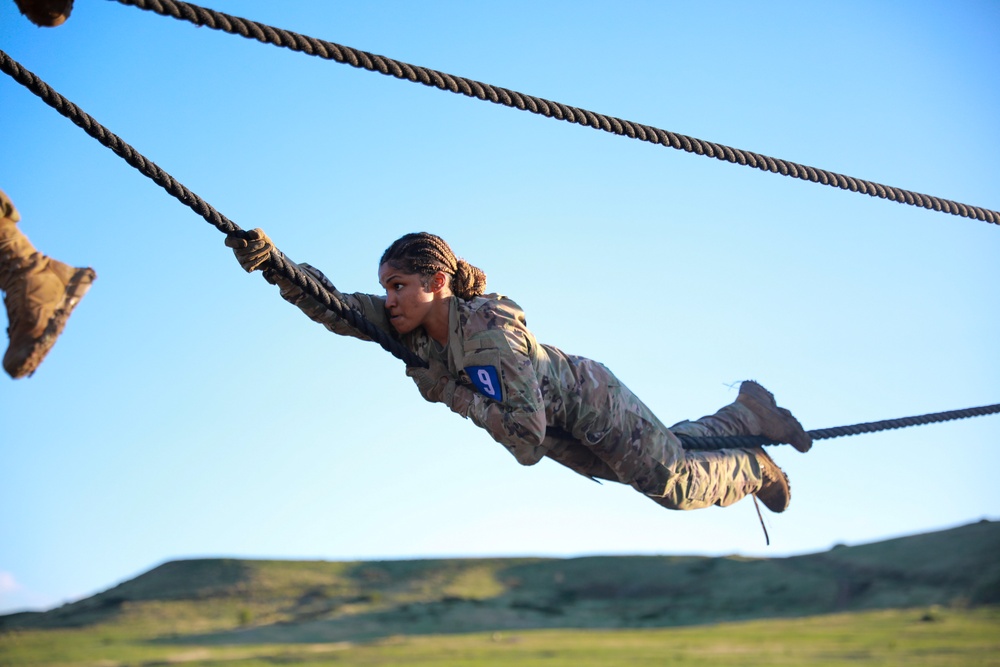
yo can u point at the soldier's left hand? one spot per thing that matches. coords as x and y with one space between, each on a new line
253 252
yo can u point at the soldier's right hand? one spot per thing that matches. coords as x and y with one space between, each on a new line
253 252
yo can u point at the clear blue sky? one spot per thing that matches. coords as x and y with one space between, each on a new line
188 411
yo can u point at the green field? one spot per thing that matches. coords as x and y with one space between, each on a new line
927 637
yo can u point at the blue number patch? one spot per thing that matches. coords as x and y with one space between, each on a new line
487 380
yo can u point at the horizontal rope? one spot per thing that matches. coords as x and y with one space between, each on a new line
201 16
743 441
278 262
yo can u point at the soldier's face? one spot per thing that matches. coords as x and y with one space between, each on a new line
408 300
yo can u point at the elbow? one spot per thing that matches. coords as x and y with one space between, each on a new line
521 433
527 448
527 456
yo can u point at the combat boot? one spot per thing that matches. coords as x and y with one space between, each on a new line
40 293
46 13
775 423
775 491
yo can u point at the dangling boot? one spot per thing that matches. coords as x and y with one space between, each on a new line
46 13
776 423
40 294
775 491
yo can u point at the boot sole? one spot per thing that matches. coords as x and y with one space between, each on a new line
75 290
778 499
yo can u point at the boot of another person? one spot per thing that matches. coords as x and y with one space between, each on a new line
46 13
776 423
40 293
775 491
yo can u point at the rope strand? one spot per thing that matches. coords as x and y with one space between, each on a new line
278 261
266 34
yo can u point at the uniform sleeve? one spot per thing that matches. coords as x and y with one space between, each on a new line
499 391
372 307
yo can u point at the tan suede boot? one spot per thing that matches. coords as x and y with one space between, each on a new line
46 13
40 293
776 423
775 491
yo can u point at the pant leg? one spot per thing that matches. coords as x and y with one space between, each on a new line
733 419
711 478
624 433
578 458
738 466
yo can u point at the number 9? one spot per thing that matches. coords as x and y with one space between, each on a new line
487 381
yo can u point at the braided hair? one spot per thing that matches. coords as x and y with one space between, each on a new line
426 254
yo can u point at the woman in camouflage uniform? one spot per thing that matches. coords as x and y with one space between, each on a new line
536 400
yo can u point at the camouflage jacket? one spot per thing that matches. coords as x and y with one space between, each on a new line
507 383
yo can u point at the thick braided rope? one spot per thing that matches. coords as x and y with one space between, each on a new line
741 441
278 261
375 63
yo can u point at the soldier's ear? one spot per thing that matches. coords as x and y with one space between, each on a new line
438 281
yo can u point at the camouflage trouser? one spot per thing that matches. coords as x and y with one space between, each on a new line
623 441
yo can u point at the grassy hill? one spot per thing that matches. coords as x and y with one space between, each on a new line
928 600
226 601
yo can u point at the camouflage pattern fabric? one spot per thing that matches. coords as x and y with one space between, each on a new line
538 401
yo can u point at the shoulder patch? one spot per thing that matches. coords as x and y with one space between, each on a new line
486 379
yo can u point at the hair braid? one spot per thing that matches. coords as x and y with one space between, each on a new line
426 254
